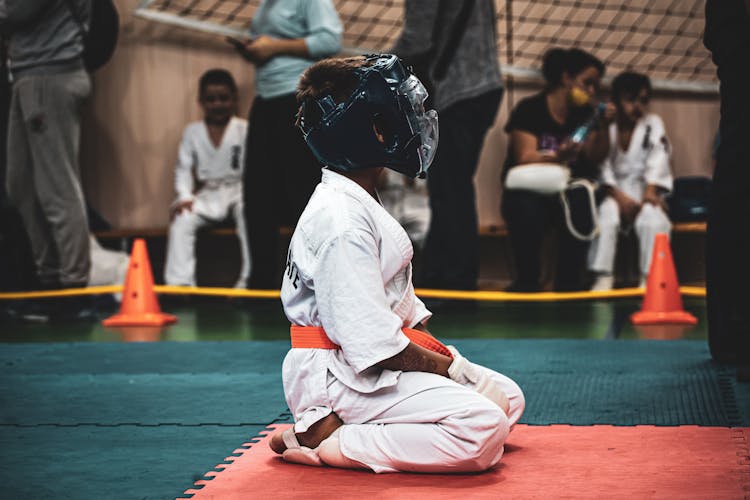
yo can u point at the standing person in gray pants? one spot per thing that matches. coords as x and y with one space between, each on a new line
50 86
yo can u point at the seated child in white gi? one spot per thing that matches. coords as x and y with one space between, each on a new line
208 178
408 202
636 175
368 386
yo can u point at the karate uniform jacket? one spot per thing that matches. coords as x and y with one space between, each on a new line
349 271
646 160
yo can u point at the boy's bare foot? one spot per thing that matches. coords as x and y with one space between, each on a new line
312 437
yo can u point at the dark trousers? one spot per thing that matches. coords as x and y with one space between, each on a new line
279 178
529 216
728 230
451 252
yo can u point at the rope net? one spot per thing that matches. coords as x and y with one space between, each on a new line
662 38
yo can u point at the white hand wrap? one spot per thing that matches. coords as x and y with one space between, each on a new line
458 367
297 453
468 374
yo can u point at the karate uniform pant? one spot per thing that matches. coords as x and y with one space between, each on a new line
649 222
108 267
425 423
210 206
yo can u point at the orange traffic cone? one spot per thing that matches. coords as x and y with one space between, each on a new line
139 305
662 303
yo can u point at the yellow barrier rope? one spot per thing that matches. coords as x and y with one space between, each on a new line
68 292
483 295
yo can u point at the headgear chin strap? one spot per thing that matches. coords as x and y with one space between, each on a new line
390 98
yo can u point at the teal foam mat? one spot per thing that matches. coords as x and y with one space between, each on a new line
121 462
579 382
583 382
144 398
230 383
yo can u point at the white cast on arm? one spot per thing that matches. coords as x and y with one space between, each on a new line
466 373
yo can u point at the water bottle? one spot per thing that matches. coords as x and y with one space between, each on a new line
582 131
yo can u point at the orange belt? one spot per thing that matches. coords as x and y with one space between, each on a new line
314 337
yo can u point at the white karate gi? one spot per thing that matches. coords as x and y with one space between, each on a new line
646 161
108 267
349 271
408 203
218 171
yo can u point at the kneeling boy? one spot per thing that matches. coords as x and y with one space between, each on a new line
368 386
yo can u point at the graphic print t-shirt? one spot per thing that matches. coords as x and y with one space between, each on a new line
533 116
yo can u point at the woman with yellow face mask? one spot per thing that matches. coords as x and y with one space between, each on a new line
545 128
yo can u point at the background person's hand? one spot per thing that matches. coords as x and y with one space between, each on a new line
567 151
239 45
261 49
629 208
652 196
178 207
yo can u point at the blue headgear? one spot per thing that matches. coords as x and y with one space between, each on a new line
341 136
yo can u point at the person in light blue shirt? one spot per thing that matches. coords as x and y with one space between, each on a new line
286 36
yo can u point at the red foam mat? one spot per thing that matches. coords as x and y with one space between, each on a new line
557 461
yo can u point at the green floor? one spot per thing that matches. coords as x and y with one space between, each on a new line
222 319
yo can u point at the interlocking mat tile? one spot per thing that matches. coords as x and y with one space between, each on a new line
541 462
126 462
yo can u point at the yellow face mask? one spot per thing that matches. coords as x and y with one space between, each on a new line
578 96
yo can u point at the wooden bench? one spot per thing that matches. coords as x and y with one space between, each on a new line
126 235
488 231
689 227
688 249
217 252
495 254
679 227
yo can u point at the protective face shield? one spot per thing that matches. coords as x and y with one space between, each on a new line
388 97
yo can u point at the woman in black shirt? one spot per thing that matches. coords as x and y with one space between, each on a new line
539 128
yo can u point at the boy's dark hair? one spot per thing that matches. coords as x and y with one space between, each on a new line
630 84
557 61
334 77
217 77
